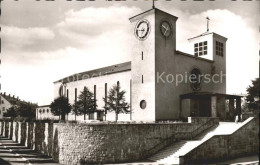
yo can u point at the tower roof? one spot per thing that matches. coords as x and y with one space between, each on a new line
207 33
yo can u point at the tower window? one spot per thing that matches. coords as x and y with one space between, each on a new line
142 79
201 48
142 55
219 49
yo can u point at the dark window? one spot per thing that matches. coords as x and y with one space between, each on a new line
61 90
76 95
142 55
142 79
105 98
143 104
219 49
201 48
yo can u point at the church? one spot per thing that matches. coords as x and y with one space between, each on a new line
161 83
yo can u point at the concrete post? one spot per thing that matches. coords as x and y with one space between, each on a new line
231 107
238 108
213 106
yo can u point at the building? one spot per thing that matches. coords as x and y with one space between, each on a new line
161 83
44 112
6 102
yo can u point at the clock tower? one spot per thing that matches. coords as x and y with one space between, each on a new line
152 56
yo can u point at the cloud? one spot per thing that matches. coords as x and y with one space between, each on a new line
95 37
84 25
18 38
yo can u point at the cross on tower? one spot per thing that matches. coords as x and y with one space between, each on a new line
207 23
153 4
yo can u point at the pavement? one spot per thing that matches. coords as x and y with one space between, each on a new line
12 153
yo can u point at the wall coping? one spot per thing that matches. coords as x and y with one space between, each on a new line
214 136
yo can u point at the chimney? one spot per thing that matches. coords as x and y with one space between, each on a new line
13 96
4 93
17 98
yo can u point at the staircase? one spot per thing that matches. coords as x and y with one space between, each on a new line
170 154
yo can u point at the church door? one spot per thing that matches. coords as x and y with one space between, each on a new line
205 107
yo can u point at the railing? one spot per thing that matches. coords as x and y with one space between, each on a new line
196 130
170 139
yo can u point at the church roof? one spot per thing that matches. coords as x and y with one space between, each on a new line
97 72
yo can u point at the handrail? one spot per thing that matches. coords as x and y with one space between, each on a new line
171 137
200 127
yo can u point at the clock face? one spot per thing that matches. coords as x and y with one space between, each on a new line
166 28
142 29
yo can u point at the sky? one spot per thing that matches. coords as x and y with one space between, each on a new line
44 41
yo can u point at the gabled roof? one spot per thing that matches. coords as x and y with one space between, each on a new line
97 72
12 100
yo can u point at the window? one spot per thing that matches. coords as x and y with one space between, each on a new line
219 49
61 90
143 104
40 111
2 101
47 110
43 111
142 55
3 108
142 79
195 79
201 48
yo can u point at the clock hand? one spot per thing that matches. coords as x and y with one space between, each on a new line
165 27
165 31
142 30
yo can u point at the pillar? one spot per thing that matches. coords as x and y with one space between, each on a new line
231 108
238 108
213 106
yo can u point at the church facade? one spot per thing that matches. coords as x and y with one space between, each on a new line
161 83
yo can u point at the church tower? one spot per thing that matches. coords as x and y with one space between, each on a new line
153 50
212 46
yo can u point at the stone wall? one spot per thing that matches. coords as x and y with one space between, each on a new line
73 143
110 143
243 141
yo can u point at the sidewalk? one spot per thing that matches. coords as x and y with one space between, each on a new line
12 153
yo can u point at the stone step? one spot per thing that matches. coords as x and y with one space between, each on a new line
170 154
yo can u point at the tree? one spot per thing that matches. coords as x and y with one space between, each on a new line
60 106
116 101
252 97
75 109
26 109
86 103
22 109
11 112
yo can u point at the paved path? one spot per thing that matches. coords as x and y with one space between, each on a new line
11 153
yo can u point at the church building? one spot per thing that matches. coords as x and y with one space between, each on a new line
161 83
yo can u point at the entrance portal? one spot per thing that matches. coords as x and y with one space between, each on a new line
201 107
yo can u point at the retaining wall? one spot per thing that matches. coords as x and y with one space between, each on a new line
242 142
73 143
